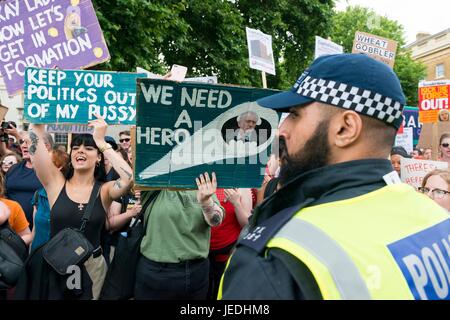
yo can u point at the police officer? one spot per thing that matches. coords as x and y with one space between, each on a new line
342 226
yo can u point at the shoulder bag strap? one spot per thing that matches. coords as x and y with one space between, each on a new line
88 213
153 195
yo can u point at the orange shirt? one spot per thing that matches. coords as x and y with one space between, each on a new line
17 220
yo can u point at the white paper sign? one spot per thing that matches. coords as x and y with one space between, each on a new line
208 79
326 47
260 51
405 139
178 73
413 170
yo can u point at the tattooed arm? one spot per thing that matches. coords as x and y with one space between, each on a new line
49 175
212 212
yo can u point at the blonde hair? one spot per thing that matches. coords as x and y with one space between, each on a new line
443 173
443 111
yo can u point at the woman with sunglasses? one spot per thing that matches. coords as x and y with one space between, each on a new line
8 160
444 147
68 196
436 185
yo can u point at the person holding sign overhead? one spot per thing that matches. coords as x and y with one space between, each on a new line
175 247
69 195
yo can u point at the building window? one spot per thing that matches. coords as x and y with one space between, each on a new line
61 138
440 70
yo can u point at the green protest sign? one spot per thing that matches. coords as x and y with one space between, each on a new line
73 96
185 129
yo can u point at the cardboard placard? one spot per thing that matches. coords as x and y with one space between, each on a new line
414 170
3 112
185 129
48 34
68 96
377 47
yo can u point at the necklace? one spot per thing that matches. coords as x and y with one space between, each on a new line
80 206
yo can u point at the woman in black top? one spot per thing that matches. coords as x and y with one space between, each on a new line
69 195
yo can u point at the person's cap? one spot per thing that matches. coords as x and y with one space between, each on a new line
400 151
349 81
112 142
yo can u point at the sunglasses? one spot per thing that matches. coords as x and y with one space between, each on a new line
124 140
445 145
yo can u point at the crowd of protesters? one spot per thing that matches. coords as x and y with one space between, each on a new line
173 240
189 235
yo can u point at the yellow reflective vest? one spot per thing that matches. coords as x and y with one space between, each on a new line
393 243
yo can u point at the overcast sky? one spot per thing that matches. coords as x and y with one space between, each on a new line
430 16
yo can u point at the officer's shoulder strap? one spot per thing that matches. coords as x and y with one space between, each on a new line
258 237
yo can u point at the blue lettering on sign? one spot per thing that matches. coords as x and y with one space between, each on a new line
424 259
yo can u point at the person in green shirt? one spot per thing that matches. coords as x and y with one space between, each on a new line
175 247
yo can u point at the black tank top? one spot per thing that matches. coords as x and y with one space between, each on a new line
67 214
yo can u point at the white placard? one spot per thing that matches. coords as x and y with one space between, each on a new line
326 47
405 139
178 73
208 79
260 51
413 170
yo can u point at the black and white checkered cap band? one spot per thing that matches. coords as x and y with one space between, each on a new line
346 96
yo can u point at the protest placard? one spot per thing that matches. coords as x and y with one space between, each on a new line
413 170
260 51
377 47
185 129
47 34
3 112
207 79
325 47
433 101
69 96
405 139
411 120
68 128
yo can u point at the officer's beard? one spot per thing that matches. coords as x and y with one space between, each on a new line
315 154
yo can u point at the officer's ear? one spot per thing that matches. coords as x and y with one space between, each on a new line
345 128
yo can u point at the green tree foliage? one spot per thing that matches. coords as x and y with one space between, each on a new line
135 30
346 23
208 36
293 25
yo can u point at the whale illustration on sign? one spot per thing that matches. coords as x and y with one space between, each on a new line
207 144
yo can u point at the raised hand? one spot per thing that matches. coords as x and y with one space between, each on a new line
206 188
233 196
99 126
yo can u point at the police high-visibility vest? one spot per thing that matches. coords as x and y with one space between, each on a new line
393 243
